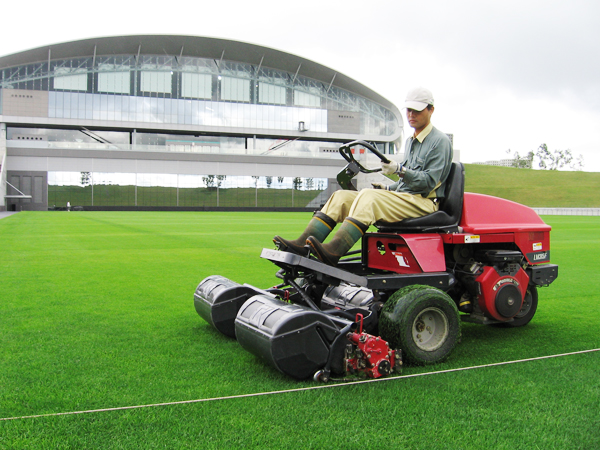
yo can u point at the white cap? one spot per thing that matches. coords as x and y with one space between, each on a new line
418 99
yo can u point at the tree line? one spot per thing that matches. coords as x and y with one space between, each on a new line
547 160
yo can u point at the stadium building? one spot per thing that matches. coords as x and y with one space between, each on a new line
143 122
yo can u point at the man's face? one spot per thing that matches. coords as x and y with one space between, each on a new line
419 119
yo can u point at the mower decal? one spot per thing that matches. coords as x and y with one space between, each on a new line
537 246
537 257
472 239
401 259
504 281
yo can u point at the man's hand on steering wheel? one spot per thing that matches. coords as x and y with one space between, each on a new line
383 186
390 168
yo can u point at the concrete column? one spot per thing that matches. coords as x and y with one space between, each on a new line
3 167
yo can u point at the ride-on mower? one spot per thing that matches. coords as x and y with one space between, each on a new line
403 296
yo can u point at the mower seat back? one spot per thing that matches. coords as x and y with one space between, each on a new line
446 218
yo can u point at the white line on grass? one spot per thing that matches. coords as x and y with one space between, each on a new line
285 391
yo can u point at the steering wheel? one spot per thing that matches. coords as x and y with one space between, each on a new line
346 152
353 167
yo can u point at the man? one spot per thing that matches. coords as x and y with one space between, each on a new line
422 177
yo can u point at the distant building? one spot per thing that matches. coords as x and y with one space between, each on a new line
155 121
523 163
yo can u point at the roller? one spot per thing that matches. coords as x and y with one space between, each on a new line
292 338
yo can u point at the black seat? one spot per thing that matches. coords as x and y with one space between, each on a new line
448 216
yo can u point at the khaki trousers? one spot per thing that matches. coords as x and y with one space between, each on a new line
371 205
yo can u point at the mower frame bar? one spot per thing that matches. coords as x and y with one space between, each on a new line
389 281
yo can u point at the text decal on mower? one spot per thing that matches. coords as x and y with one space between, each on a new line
472 239
402 262
504 281
536 257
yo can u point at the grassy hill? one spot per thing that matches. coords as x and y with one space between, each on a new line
535 188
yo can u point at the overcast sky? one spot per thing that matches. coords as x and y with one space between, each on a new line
505 74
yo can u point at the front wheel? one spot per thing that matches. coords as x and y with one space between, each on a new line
423 322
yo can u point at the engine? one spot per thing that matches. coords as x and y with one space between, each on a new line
497 286
501 296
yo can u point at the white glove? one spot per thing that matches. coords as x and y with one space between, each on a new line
389 168
380 186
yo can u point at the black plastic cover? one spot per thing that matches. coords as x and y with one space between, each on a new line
500 256
347 297
218 299
542 275
292 338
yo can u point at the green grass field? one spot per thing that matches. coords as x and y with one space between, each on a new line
96 311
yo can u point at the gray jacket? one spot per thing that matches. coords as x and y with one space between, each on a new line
427 163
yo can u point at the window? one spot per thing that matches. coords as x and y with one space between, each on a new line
235 89
68 79
154 81
305 99
269 93
196 85
114 82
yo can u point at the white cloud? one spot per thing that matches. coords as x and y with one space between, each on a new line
506 75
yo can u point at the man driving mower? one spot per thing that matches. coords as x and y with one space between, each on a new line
422 178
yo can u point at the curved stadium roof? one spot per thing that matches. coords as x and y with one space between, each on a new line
209 85
194 46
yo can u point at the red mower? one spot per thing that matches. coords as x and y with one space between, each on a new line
478 259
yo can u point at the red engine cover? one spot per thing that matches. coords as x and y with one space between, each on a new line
501 296
406 253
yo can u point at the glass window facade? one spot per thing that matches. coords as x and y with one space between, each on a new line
178 190
72 105
160 89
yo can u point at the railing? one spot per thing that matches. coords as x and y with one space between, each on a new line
568 211
282 151
2 176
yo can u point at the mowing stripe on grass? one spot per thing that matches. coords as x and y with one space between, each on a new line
286 391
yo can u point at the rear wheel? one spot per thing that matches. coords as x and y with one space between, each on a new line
423 322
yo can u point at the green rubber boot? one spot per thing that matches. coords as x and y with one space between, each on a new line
319 227
348 234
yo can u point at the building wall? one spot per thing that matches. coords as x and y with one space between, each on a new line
27 103
27 191
2 165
